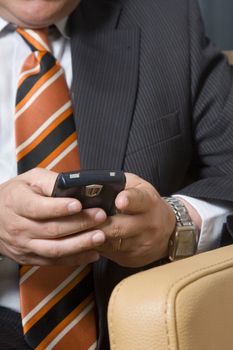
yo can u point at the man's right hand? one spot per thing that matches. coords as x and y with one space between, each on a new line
37 229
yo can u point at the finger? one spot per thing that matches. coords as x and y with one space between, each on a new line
34 206
41 180
124 226
60 248
64 226
20 198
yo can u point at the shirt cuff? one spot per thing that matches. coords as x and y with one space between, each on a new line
213 215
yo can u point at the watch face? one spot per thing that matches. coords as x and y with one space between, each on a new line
183 243
186 244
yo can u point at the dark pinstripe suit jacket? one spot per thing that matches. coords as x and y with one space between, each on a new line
153 97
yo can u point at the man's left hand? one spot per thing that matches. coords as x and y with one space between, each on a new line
139 233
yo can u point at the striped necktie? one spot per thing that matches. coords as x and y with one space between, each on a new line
57 303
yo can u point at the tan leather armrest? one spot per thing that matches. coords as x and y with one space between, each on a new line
185 305
229 55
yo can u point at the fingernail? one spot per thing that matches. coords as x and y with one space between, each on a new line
122 202
126 201
98 237
100 216
74 207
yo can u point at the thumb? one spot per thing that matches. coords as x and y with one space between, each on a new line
133 201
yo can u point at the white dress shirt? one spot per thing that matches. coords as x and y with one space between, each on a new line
13 52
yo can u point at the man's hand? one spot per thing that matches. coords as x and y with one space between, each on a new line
36 229
139 233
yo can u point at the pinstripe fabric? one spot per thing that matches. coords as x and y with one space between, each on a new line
57 305
11 335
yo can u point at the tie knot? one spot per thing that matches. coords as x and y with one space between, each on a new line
37 39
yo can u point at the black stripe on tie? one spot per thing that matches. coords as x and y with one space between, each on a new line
59 311
47 146
32 47
47 62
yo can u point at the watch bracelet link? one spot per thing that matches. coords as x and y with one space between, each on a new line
181 213
183 241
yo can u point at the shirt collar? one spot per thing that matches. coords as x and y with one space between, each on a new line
62 27
3 24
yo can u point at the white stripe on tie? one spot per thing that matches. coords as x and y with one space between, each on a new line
44 126
28 274
34 70
93 346
34 35
70 326
62 155
52 294
38 92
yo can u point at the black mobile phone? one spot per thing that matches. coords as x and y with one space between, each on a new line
93 188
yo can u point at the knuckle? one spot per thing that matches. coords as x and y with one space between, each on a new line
20 256
8 197
58 211
53 229
83 243
31 210
152 226
117 231
54 252
156 200
17 251
84 224
13 229
14 241
8 201
36 172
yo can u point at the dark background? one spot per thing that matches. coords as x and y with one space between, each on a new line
218 18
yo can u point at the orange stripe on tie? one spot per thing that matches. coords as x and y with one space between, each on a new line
55 300
32 40
44 134
38 84
63 324
34 116
87 339
34 61
58 151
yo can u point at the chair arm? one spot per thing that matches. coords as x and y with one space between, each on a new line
229 55
185 305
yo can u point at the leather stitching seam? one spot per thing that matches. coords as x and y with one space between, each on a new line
222 263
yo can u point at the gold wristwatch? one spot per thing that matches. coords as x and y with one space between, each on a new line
184 239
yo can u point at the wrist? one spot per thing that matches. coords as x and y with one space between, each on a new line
170 219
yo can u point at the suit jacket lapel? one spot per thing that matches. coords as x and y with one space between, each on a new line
105 73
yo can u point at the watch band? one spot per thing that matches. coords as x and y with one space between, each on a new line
183 241
180 211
